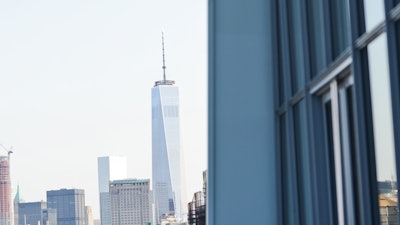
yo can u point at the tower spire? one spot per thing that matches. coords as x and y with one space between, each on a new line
163 56
164 81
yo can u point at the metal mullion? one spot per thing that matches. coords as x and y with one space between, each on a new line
310 112
286 70
393 57
280 111
367 204
367 38
337 151
330 73
395 13
285 49
295 99
211 178
291 149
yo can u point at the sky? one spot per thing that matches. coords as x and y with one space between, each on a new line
75 82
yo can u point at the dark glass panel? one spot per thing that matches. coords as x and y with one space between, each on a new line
339 12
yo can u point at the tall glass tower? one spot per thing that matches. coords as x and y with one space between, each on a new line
109 168
166 157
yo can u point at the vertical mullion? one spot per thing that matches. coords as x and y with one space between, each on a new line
286 70
210 219
337 151
311 113
276 62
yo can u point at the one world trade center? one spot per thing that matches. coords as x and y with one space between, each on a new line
166 155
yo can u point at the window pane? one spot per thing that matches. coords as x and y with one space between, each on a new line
317 36
348 153
374 11
296 45
340 26
303 163
330 161
383 129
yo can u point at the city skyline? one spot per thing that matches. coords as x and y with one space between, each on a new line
75 85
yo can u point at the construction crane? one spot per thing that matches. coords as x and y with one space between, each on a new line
9 151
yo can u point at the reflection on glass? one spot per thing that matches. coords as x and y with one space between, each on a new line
383 130
374 11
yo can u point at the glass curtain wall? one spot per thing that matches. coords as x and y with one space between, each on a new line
338 110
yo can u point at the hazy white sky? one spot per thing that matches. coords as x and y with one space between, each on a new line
75 80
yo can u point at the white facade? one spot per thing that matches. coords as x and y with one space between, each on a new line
166 155
109 168
130 202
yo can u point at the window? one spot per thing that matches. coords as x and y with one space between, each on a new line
383 129
374 12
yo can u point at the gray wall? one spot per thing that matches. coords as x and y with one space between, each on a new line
242 160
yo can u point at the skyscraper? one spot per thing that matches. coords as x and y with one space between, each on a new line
109 168
89 215
130 202
70 206
30 213
166 156
5 191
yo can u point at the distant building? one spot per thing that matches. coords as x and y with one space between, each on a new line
130 202
89 215
49 216
109 168
30 213
96 222
70 206
197 207
5 192
168 188
17 199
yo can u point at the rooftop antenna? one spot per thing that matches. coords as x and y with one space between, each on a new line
163 56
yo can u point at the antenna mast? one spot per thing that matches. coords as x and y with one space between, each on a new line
163 56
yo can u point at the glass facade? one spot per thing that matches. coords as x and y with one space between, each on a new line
166 158
332 69
69 204
342 87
